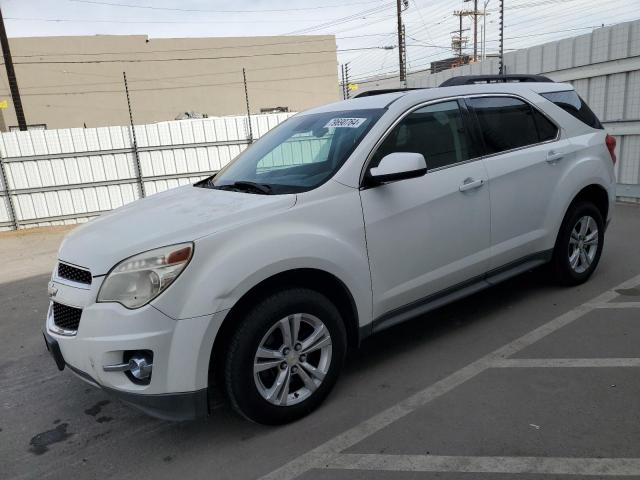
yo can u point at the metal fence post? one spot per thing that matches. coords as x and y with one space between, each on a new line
246 98
133 136
10 208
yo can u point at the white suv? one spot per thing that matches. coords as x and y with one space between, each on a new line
342 221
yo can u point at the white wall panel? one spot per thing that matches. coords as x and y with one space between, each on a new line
45 163
615 97
629 169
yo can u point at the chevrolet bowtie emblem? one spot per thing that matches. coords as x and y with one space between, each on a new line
52 290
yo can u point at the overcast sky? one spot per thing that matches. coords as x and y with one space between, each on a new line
357 24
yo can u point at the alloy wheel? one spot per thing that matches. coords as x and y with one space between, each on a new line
583 244
292 359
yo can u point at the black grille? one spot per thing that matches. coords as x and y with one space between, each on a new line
66 317
74 274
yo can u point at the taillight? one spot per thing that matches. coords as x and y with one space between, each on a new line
610 141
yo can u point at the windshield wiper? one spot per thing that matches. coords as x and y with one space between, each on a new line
246 185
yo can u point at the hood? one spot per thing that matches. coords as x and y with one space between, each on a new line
179 215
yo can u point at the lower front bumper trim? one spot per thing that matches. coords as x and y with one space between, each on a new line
166 406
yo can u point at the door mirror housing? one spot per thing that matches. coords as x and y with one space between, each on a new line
397 166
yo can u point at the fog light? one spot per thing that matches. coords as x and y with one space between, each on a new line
139 367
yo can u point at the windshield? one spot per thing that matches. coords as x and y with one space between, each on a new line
298 155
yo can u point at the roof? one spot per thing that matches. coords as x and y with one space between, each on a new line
475 79
427 94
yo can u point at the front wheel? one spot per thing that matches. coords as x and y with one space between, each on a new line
579 244
285 356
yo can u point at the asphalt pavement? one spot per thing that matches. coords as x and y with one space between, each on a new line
527 380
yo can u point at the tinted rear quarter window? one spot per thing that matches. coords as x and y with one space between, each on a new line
571 103
546 129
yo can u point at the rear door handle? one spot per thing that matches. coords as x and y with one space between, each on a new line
470 184
554 156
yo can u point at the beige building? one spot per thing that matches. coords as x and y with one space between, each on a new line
76 81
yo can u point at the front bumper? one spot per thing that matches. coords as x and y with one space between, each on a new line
181 352
169 406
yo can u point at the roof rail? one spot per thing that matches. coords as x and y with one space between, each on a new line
475 79
370 93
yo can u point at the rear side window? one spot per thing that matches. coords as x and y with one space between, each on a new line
436 131
571 103
507 123
546 129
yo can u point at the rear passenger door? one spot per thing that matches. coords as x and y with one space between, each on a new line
523 153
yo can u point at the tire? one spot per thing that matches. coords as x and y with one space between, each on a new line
573 240
255 395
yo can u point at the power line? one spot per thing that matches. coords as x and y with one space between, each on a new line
152 52
184 59
153 89
150 22
339 21
174 9
166 79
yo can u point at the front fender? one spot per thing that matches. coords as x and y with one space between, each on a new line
326 235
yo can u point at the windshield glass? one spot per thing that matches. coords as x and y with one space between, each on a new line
298 155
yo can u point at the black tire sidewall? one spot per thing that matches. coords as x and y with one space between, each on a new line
239 379
564 273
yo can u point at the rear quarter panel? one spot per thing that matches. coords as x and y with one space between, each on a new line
590 164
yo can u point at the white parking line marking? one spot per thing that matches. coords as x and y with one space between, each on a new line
566 362
320 456
618 305
513 465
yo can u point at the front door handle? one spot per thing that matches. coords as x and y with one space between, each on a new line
470 184
554 156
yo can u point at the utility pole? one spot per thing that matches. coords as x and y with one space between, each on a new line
475 30
346 79
11 76
402 54
133 138
475 13
344 85
484 29
458 41
246 98
501 68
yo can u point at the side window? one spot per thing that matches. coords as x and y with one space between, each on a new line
546 129
436 131
506 123
571 103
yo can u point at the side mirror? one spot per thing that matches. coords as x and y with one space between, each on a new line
397 166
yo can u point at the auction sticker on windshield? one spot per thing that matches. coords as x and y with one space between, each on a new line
345 122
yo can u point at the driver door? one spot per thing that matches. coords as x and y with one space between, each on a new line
430 233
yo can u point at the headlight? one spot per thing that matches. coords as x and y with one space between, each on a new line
136 281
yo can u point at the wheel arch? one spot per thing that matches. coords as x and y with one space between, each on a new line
594 193
316 279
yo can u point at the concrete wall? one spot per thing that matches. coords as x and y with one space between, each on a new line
294 72
603 66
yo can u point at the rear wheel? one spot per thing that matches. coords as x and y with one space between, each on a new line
579 244
285 356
